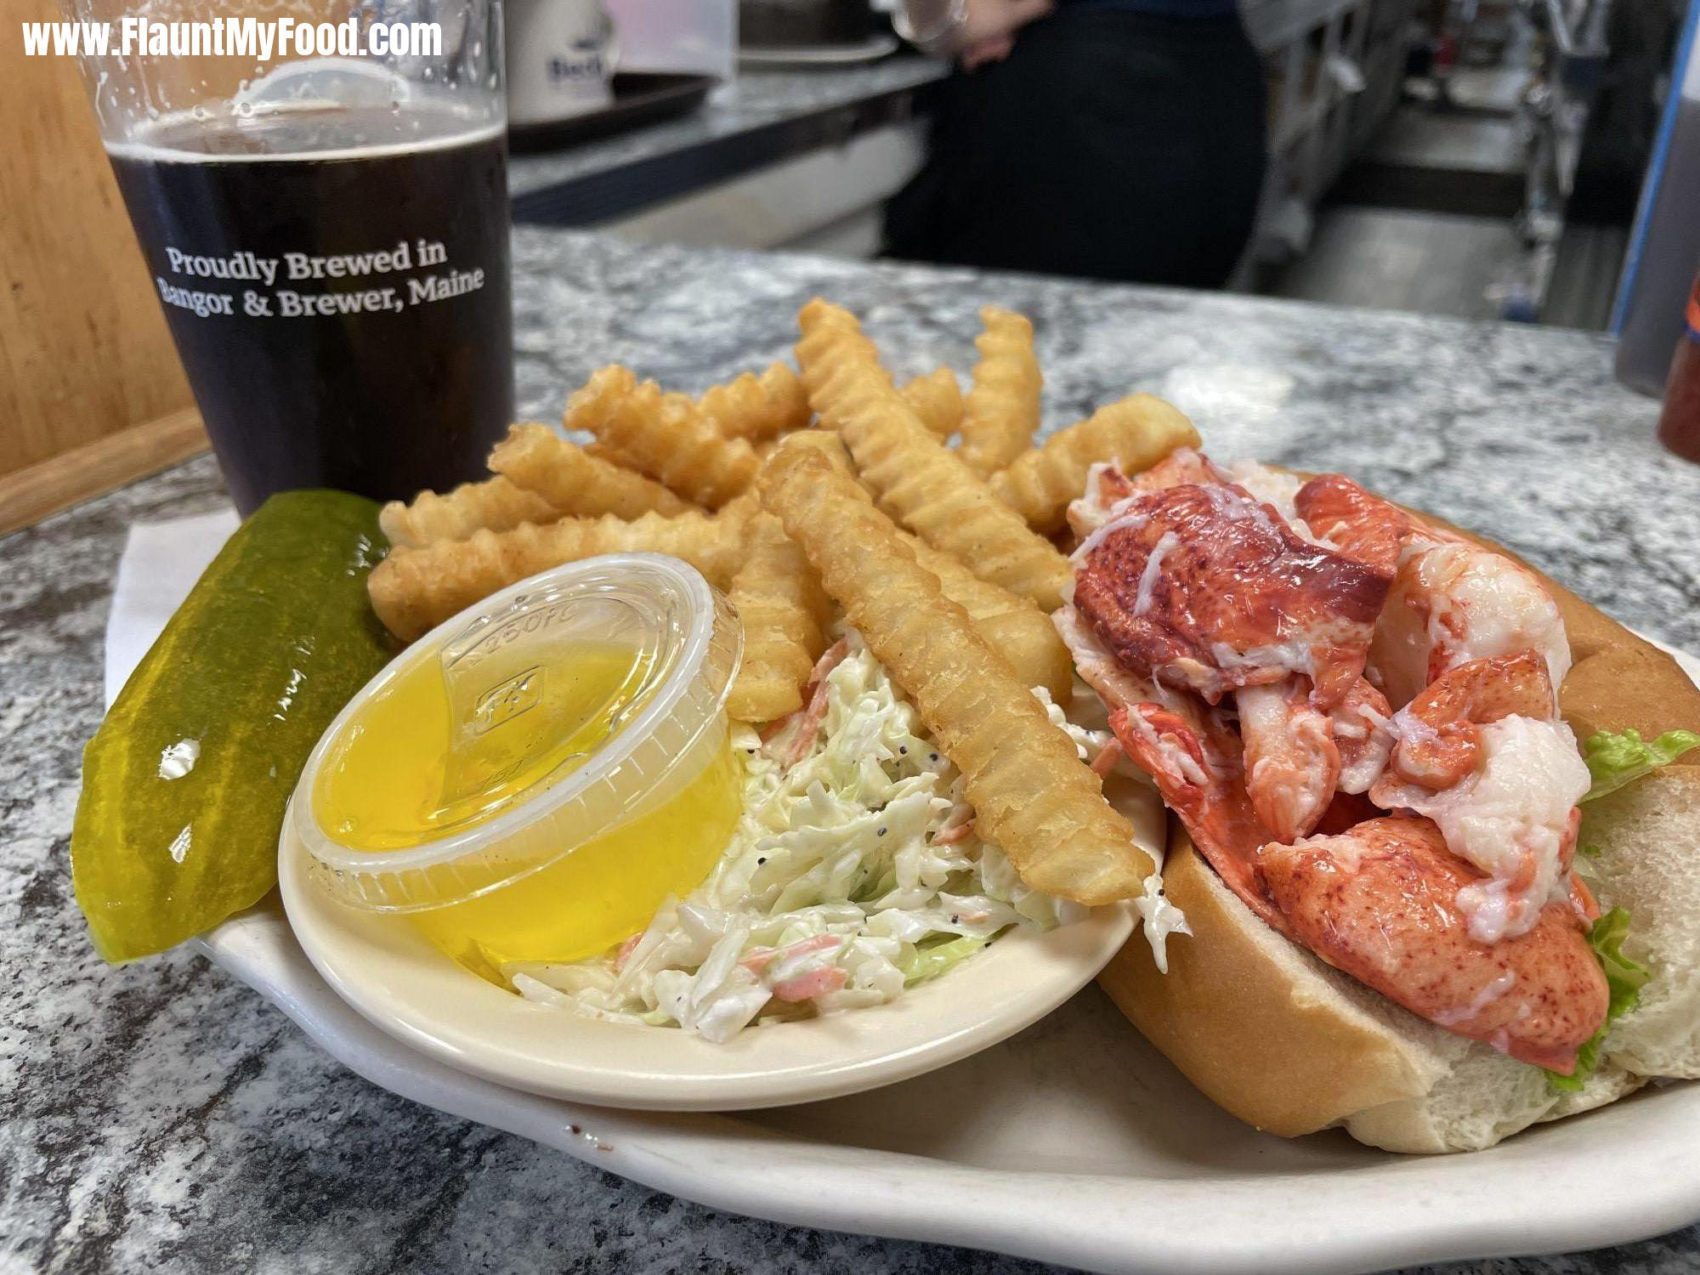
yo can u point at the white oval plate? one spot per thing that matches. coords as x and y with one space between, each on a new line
386 970
1071 1142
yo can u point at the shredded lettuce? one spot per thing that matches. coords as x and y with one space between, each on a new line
1624 979
855 871
1616 758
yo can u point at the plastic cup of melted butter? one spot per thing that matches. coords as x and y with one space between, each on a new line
532 779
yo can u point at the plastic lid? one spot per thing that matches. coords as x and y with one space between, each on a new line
685 644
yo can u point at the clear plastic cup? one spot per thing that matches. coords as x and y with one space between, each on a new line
570 769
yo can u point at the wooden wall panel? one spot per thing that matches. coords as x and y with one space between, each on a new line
84 350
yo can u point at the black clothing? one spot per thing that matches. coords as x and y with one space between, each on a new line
1109 144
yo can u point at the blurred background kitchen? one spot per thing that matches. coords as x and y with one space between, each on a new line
1531 160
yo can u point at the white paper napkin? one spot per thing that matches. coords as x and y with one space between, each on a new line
160 564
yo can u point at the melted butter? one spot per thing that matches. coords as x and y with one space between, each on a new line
439 752
605 890
435 754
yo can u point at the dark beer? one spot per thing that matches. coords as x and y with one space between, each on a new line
336 281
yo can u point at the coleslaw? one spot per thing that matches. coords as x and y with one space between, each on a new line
854 873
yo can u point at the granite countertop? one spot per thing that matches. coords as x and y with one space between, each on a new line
162 1116
761 116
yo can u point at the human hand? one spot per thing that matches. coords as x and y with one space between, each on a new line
995 49
976 31
988 30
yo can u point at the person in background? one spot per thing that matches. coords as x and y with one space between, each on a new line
1109 139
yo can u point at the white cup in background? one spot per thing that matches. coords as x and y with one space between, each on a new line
561 58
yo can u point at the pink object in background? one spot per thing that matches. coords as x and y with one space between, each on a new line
687 36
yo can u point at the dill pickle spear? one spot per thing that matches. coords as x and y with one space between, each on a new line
185 782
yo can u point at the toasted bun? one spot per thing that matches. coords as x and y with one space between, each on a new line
1291 1045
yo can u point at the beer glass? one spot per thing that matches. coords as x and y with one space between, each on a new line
319 188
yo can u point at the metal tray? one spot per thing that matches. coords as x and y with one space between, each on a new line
639 98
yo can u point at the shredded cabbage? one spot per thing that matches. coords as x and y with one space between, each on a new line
1158 918
854 872
1088 743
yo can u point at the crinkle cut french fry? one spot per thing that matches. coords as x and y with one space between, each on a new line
495 503
536 458
413 590
757 408
1030 792
784 611
937 399
1011 625
667 436
1001 413
1135 433
823 441
734 519
918 480
606 451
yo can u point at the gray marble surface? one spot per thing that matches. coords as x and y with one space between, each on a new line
756 98
163 1117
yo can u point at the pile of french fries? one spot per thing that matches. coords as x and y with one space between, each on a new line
796 491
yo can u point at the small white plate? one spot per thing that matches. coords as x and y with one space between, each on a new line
869 50
386 970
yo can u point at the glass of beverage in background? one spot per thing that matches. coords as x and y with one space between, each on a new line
326 227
